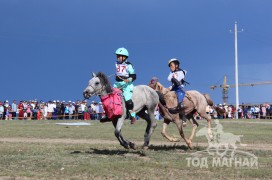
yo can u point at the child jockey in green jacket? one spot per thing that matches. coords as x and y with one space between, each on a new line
125 75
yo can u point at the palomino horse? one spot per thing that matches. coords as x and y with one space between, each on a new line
144 99
193 101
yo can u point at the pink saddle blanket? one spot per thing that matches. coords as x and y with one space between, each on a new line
112 103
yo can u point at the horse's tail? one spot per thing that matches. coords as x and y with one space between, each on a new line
208 99
210 102
219 110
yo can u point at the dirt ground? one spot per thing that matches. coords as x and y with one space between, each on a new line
99 141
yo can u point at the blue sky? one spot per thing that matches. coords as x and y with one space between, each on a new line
49 48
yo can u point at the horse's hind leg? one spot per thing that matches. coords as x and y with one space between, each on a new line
208 118
151 125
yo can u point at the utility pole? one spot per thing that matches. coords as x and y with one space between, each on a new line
236 68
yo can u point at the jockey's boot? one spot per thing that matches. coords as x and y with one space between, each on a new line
132 116
177 109
105 119
183 119
133 120
129 104
130 113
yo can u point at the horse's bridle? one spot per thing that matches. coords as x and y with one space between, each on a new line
101 89
95 91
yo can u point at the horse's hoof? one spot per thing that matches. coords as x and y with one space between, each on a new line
190 146
132 145
211 138
145 147
126 146
175 140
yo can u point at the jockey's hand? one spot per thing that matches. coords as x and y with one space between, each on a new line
126 80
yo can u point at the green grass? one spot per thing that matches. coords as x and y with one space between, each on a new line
65 160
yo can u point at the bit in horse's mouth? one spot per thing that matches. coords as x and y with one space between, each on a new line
88 95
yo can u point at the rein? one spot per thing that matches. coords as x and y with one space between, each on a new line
164 94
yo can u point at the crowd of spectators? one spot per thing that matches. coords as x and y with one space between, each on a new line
80 110
50 110
261 111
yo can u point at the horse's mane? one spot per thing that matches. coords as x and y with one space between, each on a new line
104 81
159 87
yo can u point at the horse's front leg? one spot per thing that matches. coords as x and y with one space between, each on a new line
118 125
165 135
179 126
151 125
167 119
195 125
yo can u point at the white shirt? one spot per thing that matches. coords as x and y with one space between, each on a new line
83 106
50 108
93 107
1 109
71 109
14 107
179 75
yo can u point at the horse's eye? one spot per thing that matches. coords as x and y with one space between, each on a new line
96 83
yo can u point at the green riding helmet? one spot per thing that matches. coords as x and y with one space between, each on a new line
122 51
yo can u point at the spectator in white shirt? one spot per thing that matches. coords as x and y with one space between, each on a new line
1 110
50 110
14 109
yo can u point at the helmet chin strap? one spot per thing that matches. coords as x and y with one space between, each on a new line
120 61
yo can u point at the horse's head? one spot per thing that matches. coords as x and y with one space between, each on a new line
98 85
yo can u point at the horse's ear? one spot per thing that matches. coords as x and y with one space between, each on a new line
94 75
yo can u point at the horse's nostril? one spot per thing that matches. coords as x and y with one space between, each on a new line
85 94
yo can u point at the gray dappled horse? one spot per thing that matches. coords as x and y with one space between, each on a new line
144 99
194 101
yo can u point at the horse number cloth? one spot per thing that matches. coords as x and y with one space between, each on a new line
112 103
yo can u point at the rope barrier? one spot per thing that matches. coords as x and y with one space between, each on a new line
57 116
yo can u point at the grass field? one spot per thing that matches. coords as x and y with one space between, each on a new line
44 150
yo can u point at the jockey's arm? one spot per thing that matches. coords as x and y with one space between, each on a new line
175 82
132 77
132 74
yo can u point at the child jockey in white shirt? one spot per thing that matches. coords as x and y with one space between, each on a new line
176 77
